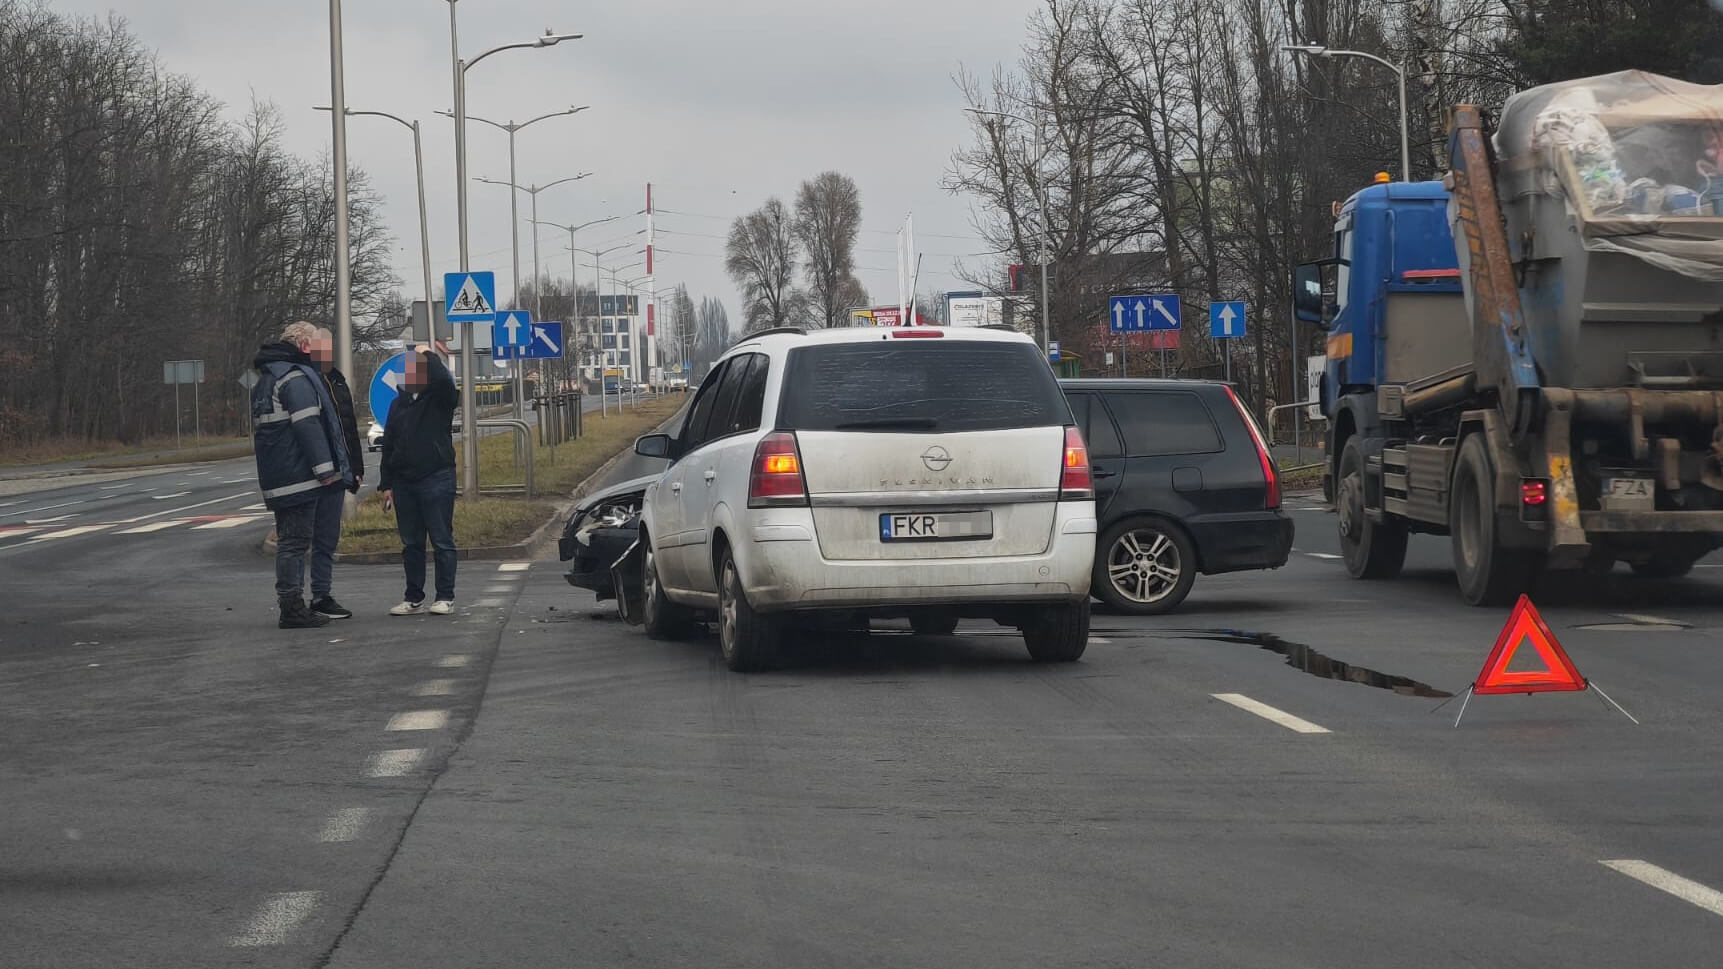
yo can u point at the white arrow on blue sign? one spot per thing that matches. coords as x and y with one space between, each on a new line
1226 320
545 344
512 329
386 386
472 297
1143 312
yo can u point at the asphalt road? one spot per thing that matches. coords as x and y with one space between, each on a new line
215 792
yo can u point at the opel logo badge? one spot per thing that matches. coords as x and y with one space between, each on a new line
936 458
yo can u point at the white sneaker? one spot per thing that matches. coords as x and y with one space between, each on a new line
442 607
407 608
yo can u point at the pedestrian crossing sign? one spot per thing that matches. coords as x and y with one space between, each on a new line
472 297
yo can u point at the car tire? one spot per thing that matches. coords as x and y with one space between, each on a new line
1489 574
933 625
747 639
1060 634
1136 552
664 620
1371 549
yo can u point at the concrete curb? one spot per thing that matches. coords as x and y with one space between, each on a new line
541 537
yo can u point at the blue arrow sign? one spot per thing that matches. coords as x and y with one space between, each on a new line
512 329
472 297
386 385
1143 312
1226 320
546 344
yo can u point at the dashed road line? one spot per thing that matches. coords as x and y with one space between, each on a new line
66 533
170 511
50 521
434 688
419 720
344 825
32 511
234 522
280 914
146 529
514 566
496 589
1665 880
394 763
177 494
244 480
491 603
454 661
1266 712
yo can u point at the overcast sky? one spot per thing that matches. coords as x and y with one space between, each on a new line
719 103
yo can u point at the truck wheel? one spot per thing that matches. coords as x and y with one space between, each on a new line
1372 549
1489 574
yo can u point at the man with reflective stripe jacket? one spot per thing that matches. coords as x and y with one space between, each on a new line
301 459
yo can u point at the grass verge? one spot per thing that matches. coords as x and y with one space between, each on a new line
113 454
504 520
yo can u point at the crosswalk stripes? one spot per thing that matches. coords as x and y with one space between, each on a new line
35 534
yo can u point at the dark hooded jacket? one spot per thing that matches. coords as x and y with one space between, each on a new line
343 397
297 436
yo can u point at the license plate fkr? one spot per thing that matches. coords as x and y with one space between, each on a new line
935 526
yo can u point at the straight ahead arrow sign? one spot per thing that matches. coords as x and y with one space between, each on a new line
1118 316
1226 318
1140 308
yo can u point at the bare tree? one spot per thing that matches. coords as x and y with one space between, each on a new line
761 257
828 220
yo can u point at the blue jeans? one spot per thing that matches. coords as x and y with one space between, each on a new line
326 534
421 507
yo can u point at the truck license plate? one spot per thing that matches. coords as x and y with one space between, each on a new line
935 526
1628 494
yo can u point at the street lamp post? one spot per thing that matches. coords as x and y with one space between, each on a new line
1317 50
598 298
419 170
573 265
343 254
533 190
1046 229
469 413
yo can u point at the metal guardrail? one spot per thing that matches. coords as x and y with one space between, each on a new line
523 436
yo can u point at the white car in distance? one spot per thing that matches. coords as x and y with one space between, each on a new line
925 473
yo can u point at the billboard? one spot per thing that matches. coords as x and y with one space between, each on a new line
884 316
974 309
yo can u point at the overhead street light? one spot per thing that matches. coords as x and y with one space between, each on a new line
1041 202
459 69
424 225
573 265
533 190
1317 50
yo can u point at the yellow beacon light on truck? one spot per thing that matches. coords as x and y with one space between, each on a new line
1383 178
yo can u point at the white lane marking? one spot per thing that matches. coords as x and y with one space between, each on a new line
177 494
20 501
66 533
245 480
260 506
234 522
280 915
1100 641
434 688
32 511
344 825
1266 712
152 527
454 662
170 511
1322 555
49 521
393 763
1663 879
16 532
489 603
194 474
498 589
419 720
115 487
1648 620
514 566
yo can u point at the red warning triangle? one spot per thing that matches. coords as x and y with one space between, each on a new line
1526 626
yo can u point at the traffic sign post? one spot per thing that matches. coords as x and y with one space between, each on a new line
1144 312
1226 322
1052 351
178 372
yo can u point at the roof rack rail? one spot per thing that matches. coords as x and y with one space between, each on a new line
774 331
1008 328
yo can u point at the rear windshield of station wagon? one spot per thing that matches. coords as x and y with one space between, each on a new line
920 386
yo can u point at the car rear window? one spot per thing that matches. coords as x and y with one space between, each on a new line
920 385
1164 422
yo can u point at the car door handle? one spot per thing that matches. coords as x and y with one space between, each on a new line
1098 474
711 476
676 488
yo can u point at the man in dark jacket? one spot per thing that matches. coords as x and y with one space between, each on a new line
326 534
301 460
417 477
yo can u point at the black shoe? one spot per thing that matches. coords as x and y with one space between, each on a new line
328 608
294 615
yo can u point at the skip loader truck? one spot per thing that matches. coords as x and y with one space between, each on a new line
1527 356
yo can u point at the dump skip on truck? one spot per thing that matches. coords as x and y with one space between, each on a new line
1527 356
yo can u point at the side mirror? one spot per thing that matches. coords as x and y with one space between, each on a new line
655 446
1307 302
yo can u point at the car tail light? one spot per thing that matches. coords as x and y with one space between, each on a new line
1075 481
777 477
917 333
1270 475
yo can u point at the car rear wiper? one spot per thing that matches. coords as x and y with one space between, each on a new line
889 424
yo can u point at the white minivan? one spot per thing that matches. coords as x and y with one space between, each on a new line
925 473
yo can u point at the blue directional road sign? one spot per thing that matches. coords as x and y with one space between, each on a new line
512 329
472 297
546 344
386 386
1143 312
1053 350
1226 320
